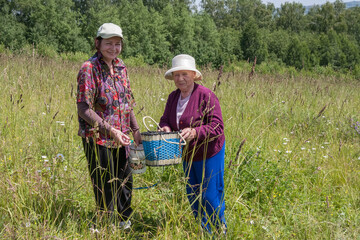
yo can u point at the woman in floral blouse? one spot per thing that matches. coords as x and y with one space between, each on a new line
105 107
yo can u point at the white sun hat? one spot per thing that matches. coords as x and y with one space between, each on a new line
183 62
108 30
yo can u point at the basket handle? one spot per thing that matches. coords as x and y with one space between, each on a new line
184 141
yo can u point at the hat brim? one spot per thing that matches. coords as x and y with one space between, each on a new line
168 74
106 36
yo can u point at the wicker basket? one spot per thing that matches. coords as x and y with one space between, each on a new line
137 159
161 148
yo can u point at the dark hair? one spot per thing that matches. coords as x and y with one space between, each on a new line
97 47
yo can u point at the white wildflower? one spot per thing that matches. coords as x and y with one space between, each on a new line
60 156
288 151
303 148
92 230
162 99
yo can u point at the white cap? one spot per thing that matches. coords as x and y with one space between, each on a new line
108 30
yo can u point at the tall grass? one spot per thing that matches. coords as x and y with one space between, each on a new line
292 157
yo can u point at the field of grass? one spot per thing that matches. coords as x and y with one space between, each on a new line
292 157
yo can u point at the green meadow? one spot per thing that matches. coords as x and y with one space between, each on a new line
292 156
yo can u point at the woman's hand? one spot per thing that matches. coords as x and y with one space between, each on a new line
119 137
165 129
188 134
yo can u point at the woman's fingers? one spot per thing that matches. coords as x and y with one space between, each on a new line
188 134
121 138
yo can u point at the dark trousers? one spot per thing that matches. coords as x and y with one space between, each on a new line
111 178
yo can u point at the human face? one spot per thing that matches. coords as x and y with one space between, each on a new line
184 80
110 48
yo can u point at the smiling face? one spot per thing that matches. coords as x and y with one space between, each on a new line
184 80
110 48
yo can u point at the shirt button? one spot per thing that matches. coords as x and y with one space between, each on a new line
180 122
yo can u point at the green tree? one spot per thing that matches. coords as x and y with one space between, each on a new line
230 46
263 15
180 28
322 18
234 13
145 33
298 54
352 19
291 17
350 50
207 40
252 42
340 12
12 32
51 23
330 50
217 10
278 42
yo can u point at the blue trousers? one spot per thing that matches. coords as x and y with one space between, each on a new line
205 189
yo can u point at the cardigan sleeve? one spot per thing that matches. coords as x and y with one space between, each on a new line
212 125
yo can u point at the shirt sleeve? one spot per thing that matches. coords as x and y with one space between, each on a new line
212 125
86 88
92 118
133 123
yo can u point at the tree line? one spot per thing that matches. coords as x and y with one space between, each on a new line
215 32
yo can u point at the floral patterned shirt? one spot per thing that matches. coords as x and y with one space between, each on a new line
110 96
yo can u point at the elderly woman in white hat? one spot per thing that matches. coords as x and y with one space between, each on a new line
195 111
105 108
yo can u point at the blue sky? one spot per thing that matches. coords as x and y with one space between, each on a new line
278 3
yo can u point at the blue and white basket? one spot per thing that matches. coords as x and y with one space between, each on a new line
161 148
